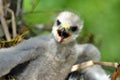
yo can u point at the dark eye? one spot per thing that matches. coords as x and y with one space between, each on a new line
73 28
58 22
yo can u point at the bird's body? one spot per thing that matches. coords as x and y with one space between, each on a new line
51 64
52 56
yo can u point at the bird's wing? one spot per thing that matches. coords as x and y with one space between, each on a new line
87 52
25 51
96 72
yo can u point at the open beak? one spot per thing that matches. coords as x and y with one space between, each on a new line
62 33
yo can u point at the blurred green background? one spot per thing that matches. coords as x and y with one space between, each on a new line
101 17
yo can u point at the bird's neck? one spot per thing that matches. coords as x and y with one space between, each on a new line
70 44
64 51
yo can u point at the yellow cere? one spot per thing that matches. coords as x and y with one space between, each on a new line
66 26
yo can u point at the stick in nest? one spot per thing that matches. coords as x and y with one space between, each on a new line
13 22
91 63
3 22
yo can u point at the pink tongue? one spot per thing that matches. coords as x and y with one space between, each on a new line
60 39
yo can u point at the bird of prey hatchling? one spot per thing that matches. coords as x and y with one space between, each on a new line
50 57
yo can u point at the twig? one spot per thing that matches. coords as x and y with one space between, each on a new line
13 22
3 22
116 73
91 63
109 64
81 66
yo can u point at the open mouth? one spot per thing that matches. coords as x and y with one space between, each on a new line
62 35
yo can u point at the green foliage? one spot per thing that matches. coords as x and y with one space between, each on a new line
101 17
